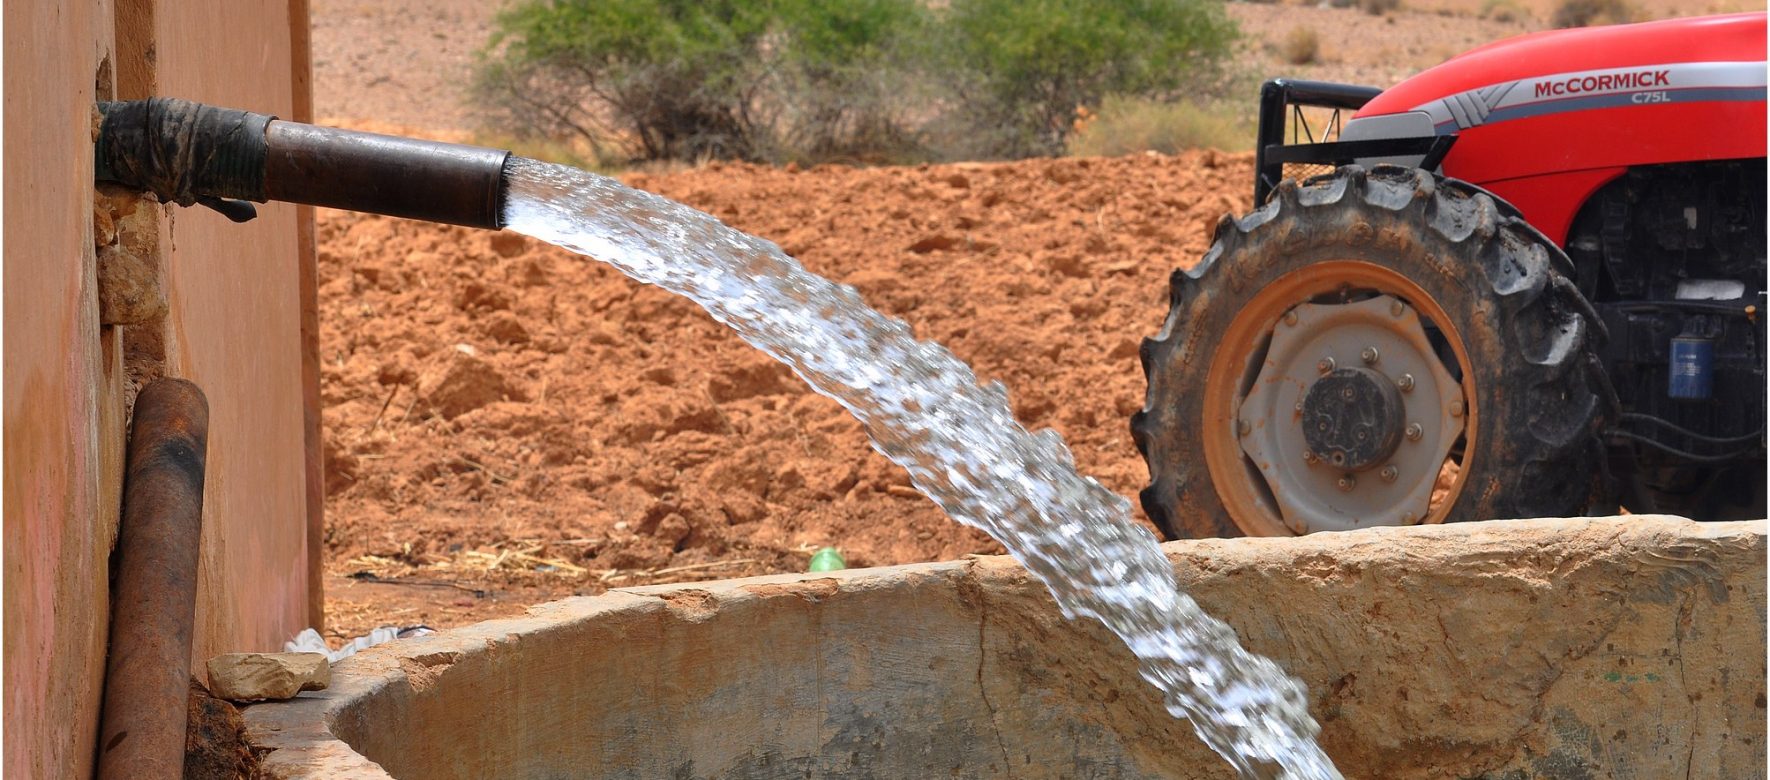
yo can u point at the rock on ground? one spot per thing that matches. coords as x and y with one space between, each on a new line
258 676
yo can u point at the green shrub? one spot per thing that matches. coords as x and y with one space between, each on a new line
1130 125
1019 69
671 75
1301 46
1583 13
691 79
809 80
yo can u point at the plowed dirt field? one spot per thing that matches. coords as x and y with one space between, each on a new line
507 423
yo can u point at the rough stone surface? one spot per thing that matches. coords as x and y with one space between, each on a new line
131 290
1594 648
259 676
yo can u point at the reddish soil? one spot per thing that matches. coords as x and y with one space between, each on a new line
507 423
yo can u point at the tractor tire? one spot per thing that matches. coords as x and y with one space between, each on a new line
1514 414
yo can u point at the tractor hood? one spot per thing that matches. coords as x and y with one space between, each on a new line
1585 62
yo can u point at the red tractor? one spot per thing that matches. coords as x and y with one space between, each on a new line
1527 282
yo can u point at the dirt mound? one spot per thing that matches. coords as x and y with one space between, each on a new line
507 419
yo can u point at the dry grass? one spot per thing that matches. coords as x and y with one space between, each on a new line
577 154
1539 14
1131 125
564 152
524 560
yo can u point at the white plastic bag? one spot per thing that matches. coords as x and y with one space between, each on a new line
310 641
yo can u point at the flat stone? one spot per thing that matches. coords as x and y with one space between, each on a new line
260 676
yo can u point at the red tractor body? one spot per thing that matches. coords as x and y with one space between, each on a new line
1544 120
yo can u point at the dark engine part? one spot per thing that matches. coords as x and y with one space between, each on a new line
1673 259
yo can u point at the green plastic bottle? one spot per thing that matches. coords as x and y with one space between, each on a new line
828 559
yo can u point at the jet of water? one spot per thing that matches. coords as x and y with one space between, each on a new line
963 448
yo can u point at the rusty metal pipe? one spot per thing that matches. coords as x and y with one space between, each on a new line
384 174
154 595
188 153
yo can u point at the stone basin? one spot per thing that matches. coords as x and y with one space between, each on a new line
1629 647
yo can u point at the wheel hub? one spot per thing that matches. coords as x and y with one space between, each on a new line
1348 416
1353 418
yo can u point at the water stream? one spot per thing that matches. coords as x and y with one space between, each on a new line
963 448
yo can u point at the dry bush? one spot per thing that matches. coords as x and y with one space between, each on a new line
1301 46
1379 7
1584 13
1504 11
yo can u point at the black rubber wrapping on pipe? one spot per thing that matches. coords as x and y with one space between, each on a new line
181 150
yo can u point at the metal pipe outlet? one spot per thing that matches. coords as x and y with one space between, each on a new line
154 598
188 153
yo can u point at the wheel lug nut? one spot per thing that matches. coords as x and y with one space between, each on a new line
1456 408
1369 355
1243 427
1339 458
1414 431
1347 483
1290 317
1406 383
1326 366
1396 309
1390 473
1310 457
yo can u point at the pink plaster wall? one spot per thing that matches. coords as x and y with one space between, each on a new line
235 330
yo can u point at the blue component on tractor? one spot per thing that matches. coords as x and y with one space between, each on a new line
1692 368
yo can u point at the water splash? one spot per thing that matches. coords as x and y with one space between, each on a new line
923 408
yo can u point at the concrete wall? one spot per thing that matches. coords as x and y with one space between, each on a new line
1581 648
233 323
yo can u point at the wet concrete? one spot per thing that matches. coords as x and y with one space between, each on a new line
1611 647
